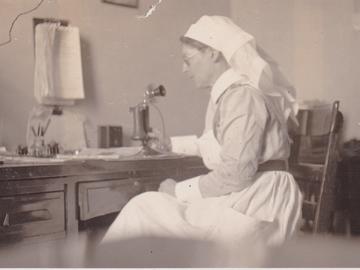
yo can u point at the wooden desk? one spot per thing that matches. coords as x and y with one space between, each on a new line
48 200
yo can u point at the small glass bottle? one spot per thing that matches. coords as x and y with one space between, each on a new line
38 148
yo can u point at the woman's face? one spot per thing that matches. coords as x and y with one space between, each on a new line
197 65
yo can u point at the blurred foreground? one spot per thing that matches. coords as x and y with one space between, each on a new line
78 251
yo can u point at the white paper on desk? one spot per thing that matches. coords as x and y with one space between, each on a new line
109 153
187 145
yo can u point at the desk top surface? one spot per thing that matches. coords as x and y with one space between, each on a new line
45 168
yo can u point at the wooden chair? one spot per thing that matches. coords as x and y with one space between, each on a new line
313 163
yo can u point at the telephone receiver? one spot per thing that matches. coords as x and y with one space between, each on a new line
152 91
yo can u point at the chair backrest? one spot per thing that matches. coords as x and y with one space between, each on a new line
313 163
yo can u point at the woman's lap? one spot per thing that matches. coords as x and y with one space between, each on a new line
159 214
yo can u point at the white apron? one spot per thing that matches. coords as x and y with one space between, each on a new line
267 212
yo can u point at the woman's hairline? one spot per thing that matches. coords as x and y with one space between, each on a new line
198 45
194 43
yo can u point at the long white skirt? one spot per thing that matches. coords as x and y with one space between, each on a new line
266 212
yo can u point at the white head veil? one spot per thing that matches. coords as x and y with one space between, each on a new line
240 51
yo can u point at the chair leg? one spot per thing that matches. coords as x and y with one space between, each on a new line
307 226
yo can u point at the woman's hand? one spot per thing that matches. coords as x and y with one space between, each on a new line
168 186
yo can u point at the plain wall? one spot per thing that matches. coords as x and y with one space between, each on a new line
121 55
316 45
313 40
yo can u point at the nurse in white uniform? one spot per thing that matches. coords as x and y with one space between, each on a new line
248 195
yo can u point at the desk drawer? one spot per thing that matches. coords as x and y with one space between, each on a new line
104 197
31 215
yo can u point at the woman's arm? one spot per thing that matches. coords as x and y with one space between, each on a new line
243 117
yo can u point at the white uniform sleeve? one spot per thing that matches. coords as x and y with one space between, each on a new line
187 145
241 135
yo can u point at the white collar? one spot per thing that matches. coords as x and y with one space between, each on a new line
225 80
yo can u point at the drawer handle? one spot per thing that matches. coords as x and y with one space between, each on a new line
138 187
6 222
136 183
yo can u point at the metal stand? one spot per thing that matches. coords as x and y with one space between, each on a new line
146 150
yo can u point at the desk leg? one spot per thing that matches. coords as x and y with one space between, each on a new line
71 206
